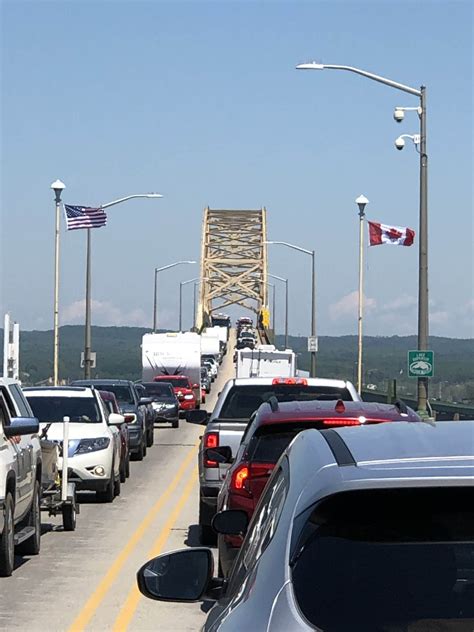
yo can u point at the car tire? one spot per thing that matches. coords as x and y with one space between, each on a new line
69 517
138 455
127 466
7 542
175 424
144 447
117 486
33 519
123 471
150 437
207 534
107 495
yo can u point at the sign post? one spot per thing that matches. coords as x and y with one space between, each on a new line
420 364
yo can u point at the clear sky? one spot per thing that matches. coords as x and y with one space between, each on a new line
201 102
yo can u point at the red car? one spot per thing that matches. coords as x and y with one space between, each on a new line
267 436
183 389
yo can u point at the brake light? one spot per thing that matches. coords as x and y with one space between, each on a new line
130 418
290 381
240 476
340 408
211 440
341 422
245 473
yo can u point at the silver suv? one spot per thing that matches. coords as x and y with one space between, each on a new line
20 476
358 529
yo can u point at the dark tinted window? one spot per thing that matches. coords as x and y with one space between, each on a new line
20 402
243 400
269 442
162 390
78 409
122 392
388 560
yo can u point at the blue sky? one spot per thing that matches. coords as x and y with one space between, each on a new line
200 101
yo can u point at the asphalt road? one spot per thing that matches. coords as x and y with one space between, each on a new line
85 580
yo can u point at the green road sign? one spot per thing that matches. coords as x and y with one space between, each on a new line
420 364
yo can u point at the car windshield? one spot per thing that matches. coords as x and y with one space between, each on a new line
178 382
122 392
390 560
159 391
54 409
244 399
204 373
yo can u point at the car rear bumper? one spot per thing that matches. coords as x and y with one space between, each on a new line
187 404
135 437
227 555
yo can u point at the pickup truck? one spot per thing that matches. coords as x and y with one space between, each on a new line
226 425
20 476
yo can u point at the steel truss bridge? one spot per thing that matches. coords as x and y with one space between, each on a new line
233 263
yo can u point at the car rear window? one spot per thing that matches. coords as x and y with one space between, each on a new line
388 560
244 399
177 382
54 409
155 389
269 441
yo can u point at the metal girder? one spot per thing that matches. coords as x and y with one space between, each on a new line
233 261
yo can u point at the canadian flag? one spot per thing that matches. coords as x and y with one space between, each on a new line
395 235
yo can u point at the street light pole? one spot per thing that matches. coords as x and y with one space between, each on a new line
57 187
313 295
181 283
285 281
155 293
88 321
423 300
361 202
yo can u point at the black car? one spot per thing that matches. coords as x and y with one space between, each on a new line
205 379
133 407
164 401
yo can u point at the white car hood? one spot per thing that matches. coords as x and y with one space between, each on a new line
78 431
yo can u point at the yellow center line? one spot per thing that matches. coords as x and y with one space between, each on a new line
100 592
128 610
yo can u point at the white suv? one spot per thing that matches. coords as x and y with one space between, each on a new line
20 476
94 441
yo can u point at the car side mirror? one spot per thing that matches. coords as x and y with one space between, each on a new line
198 416
115 419
184 575
21 426
231 522
221 454
145 400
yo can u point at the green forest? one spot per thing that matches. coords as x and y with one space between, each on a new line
385 358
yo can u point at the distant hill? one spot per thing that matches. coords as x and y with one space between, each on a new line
119 355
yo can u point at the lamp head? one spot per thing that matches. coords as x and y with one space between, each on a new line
153 195
312 65
362 202
57 187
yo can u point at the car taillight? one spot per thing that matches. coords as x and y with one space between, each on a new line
211 440
245 473
130 418
341 422
290 381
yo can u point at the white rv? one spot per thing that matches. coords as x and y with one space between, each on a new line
210 342
172 354
265 361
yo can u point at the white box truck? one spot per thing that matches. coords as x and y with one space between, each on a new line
172 354
266 361
210 342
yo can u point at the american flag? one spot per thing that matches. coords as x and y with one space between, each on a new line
84 217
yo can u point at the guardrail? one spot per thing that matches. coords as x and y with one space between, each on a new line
443 410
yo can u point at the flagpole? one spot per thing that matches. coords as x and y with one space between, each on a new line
361 203
87 335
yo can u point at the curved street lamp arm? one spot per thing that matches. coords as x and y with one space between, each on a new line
364 73
129 197
285 243
172 265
